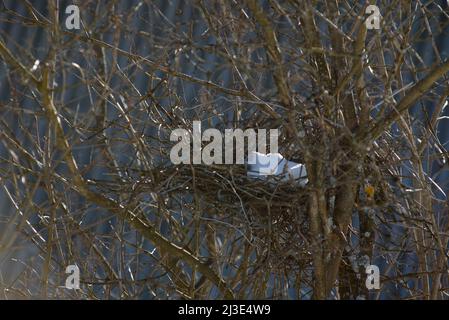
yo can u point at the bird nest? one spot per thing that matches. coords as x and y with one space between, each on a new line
269 213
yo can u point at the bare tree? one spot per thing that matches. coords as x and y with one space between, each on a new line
86 118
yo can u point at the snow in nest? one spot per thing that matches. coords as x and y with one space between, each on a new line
274 164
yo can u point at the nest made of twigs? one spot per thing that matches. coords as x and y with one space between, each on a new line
271 213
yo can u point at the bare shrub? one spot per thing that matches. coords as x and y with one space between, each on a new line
86 117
